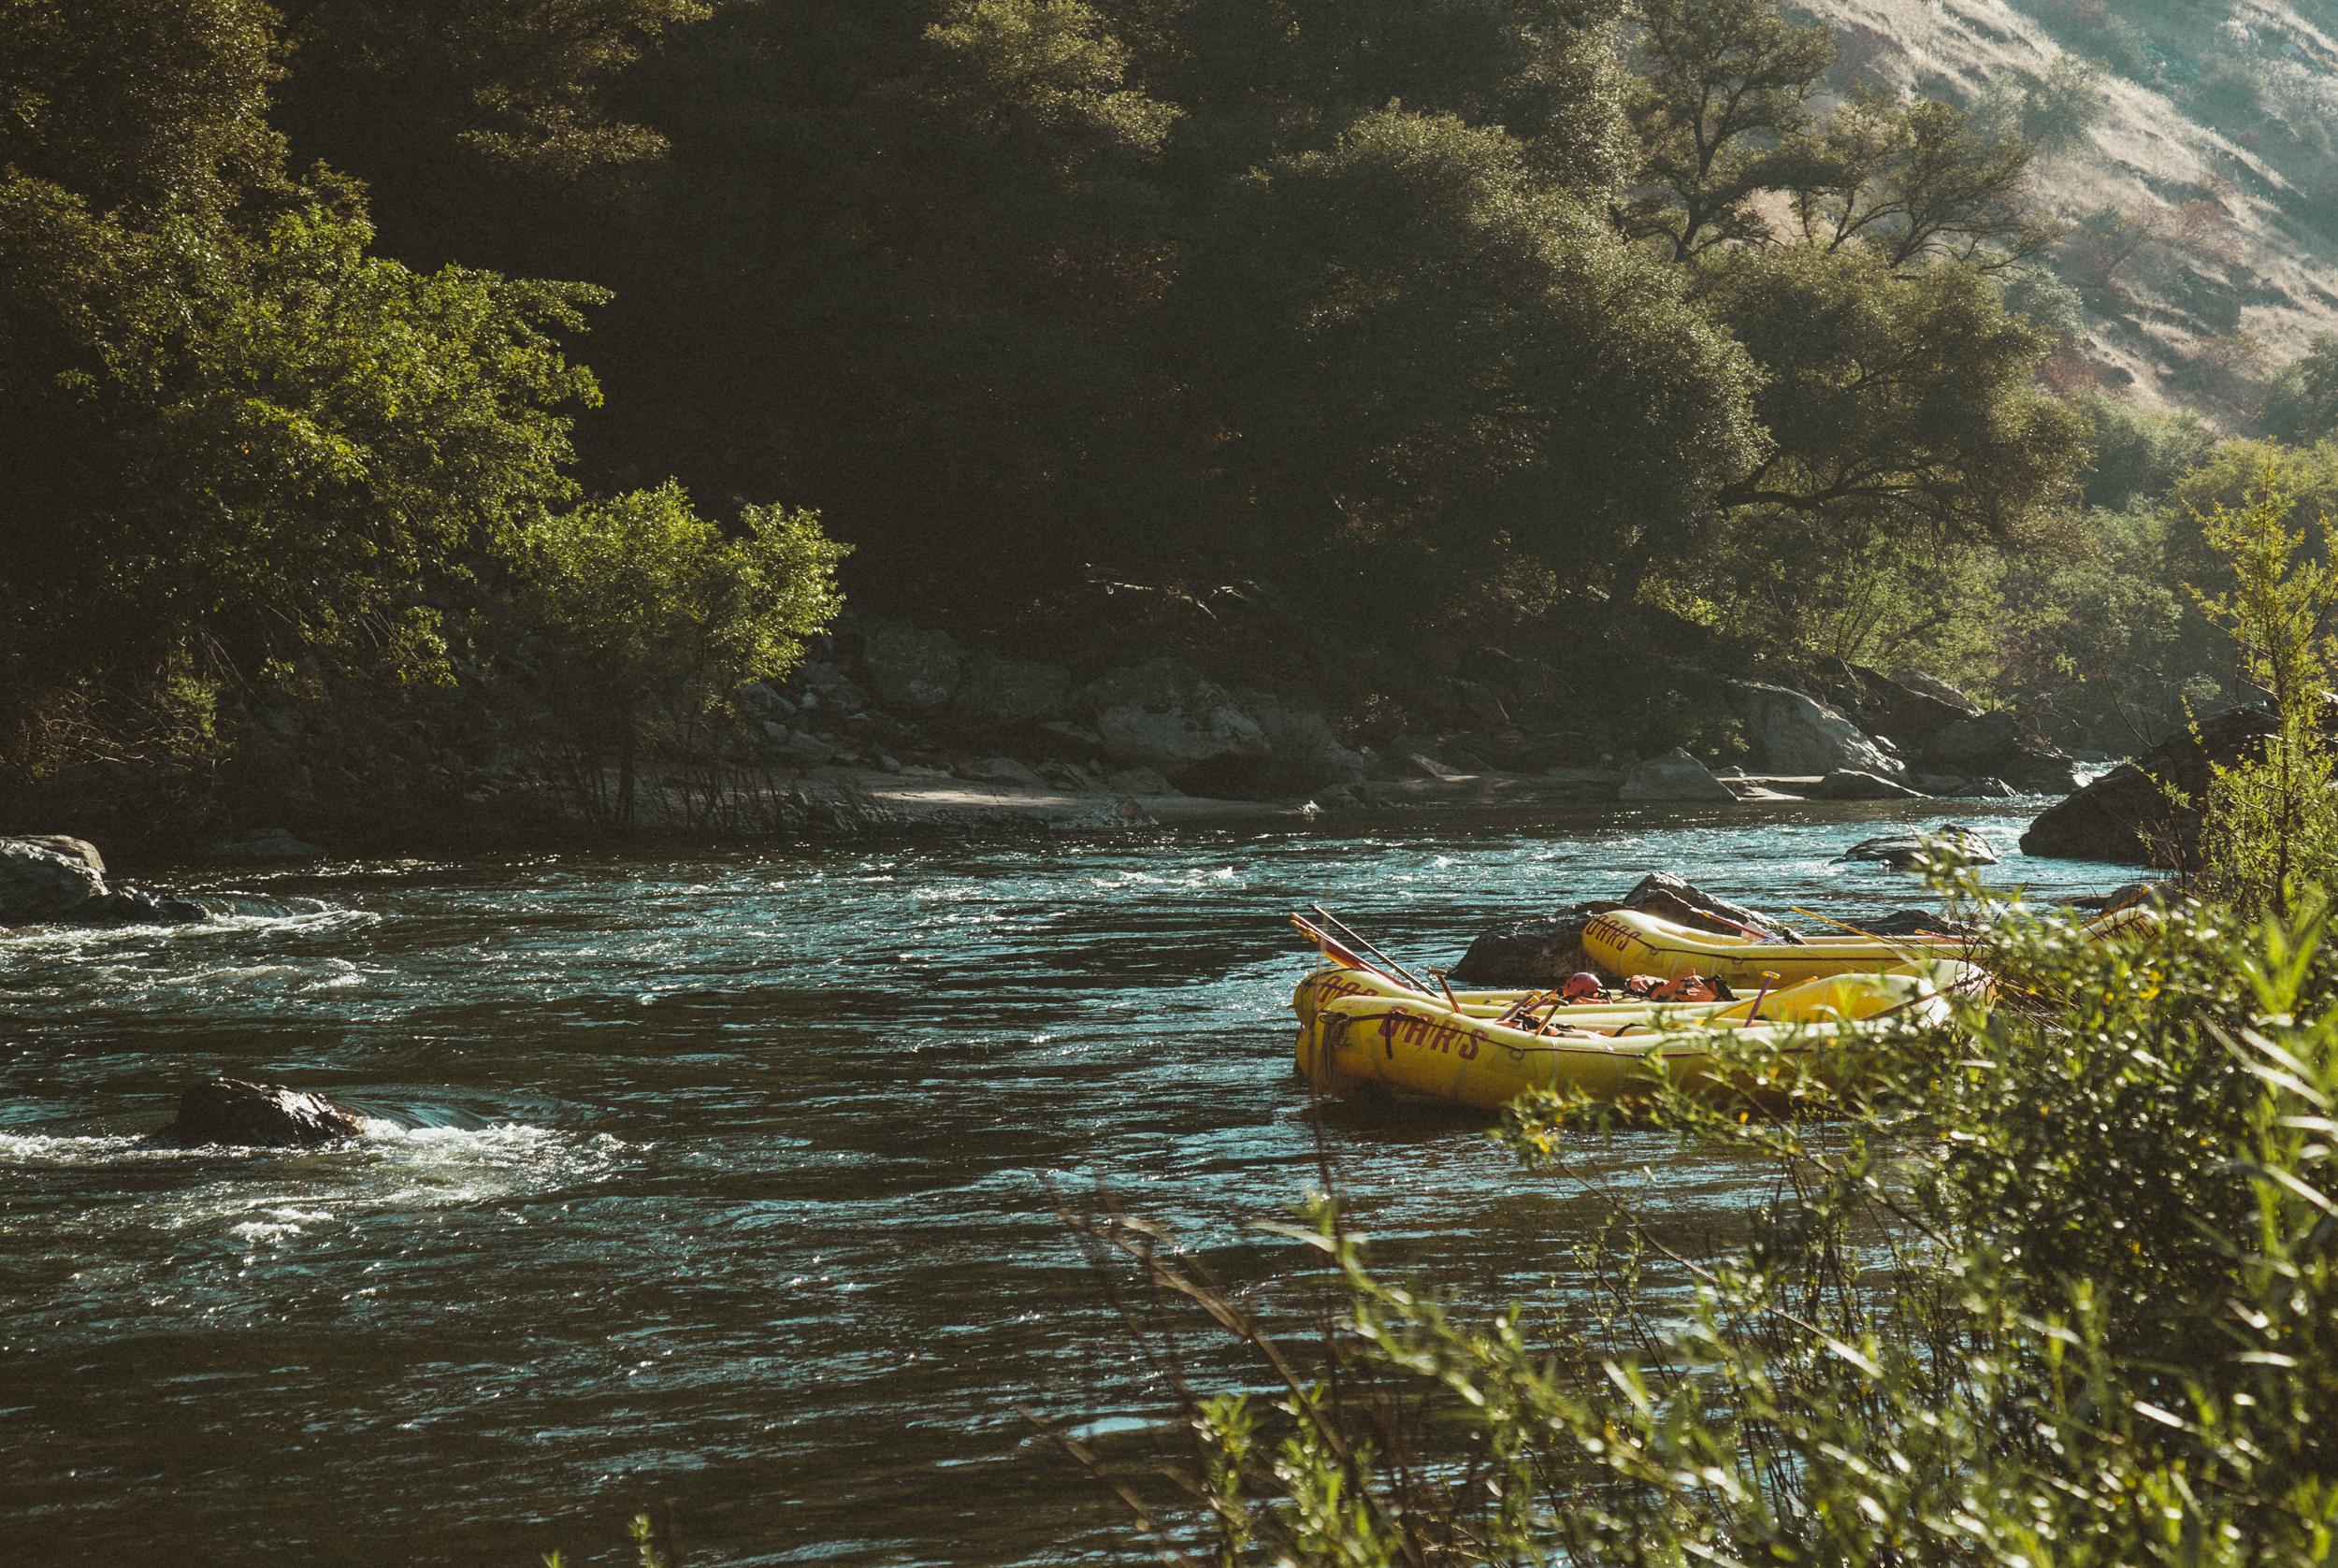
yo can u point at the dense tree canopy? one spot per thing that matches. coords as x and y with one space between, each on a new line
1411 298
237 446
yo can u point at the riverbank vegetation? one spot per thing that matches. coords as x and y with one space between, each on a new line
2056 1284
1136 324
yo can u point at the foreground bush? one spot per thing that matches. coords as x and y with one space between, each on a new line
2058 1289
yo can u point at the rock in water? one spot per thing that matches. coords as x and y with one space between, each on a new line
255 1115
2127 816
1539 950
1914 921
266 843
1902 852
48 877
1684 903
127 905
1674 776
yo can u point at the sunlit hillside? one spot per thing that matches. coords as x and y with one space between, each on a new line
2202 200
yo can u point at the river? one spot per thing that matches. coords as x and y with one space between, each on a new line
729 1178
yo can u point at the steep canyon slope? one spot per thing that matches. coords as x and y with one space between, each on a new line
2202 193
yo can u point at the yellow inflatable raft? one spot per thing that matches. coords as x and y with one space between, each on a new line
1417 1047
1627 942
1332 982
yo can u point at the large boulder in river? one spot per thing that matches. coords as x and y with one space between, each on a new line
230 1111
2127 815
1908 851
1674 776
1537 950
1545 949
1669 898
1164 714
48 877
1792 733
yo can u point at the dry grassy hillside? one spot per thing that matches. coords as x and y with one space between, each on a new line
2203 200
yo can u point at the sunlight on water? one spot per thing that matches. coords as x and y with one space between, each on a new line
731 1179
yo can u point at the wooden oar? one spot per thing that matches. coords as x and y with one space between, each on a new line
1362 940
1331 947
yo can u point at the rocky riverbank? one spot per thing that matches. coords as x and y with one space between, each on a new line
897 725
891 700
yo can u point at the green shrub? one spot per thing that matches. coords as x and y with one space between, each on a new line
2057 1288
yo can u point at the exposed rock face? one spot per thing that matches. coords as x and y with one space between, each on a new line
995 692
909 668
1138 781
1792 733
1674 776
1906 712
1163 714
1845 785
1303 752
48 877
1004 770
821 687
1902 852
1939 691
1995 743
255 1115
2126 816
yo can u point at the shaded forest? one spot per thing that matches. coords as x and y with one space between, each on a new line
1305 335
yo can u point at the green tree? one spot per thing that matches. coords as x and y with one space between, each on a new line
2269 834
1723 87
1438 351
649 615
525 85
1901 399
1912 183
2301 398
2139 456
228 433
2059 108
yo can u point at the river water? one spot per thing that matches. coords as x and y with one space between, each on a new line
731 1179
